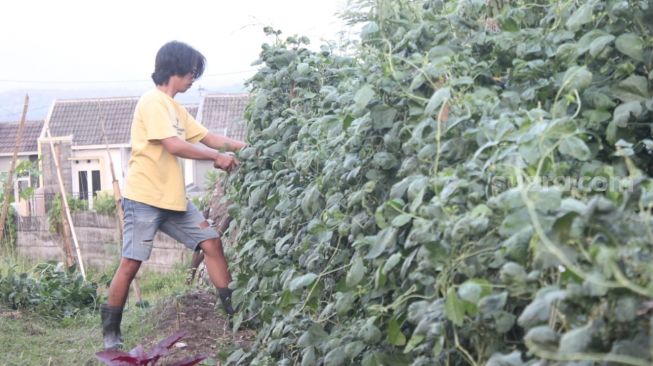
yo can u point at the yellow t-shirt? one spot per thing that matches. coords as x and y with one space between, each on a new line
155 176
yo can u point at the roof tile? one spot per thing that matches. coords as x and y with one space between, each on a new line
225 112
9 130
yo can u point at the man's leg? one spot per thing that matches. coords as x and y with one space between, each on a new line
216 265
111 312
192 229
138 235
121 281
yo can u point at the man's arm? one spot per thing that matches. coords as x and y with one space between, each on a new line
222 142
177 147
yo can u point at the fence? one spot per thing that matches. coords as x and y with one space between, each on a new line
98 238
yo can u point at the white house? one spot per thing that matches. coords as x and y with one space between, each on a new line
27 150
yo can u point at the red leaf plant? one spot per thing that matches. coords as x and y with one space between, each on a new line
138 356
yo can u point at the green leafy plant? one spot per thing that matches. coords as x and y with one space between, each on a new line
104 203
402 203
49 289
54 213
211 178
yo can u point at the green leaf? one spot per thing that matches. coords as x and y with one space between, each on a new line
596 116
363 97
414 341
312 336
303 69
577 77
634 88
309 358
509 24
353 349
391 263
401 220
575 147
372 359
356 272
302 281
383 117
473 290
600 43
504 321
581 16
543 337
436 100
395 336
585 42
335 357
369 29
623 112
511 359
577 340
386 238
631 45
454 307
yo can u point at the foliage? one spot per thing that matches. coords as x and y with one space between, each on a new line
139 357
49 289
211 178
389 204
104 203
23 168
54 213
8 241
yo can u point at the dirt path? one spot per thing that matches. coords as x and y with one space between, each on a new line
209 330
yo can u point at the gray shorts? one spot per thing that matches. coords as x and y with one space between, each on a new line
142 221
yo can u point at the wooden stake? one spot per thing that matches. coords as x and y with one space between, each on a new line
10 178
67 247
117 197
64 202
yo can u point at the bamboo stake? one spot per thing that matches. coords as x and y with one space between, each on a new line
117 197
67 250
10 177
64 202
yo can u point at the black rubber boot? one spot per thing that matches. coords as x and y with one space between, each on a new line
225 299
111 318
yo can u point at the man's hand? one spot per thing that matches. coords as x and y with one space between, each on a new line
225 162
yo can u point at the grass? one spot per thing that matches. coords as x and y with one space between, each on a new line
31 339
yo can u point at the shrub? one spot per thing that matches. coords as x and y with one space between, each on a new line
54 213
392 203
104 203
49 289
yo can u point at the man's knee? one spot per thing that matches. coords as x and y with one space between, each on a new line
211 247
129 267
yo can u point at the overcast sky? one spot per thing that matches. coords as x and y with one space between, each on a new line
74 43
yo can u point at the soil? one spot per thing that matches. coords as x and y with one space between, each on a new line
208 327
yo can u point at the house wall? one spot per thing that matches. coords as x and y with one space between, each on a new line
23 206
100 161
98 239
201 168
49 172
5 161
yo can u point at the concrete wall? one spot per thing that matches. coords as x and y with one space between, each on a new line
48 168
98 238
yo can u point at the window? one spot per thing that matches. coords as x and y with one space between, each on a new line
87 181
83 184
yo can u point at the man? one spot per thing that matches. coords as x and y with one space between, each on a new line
163 131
